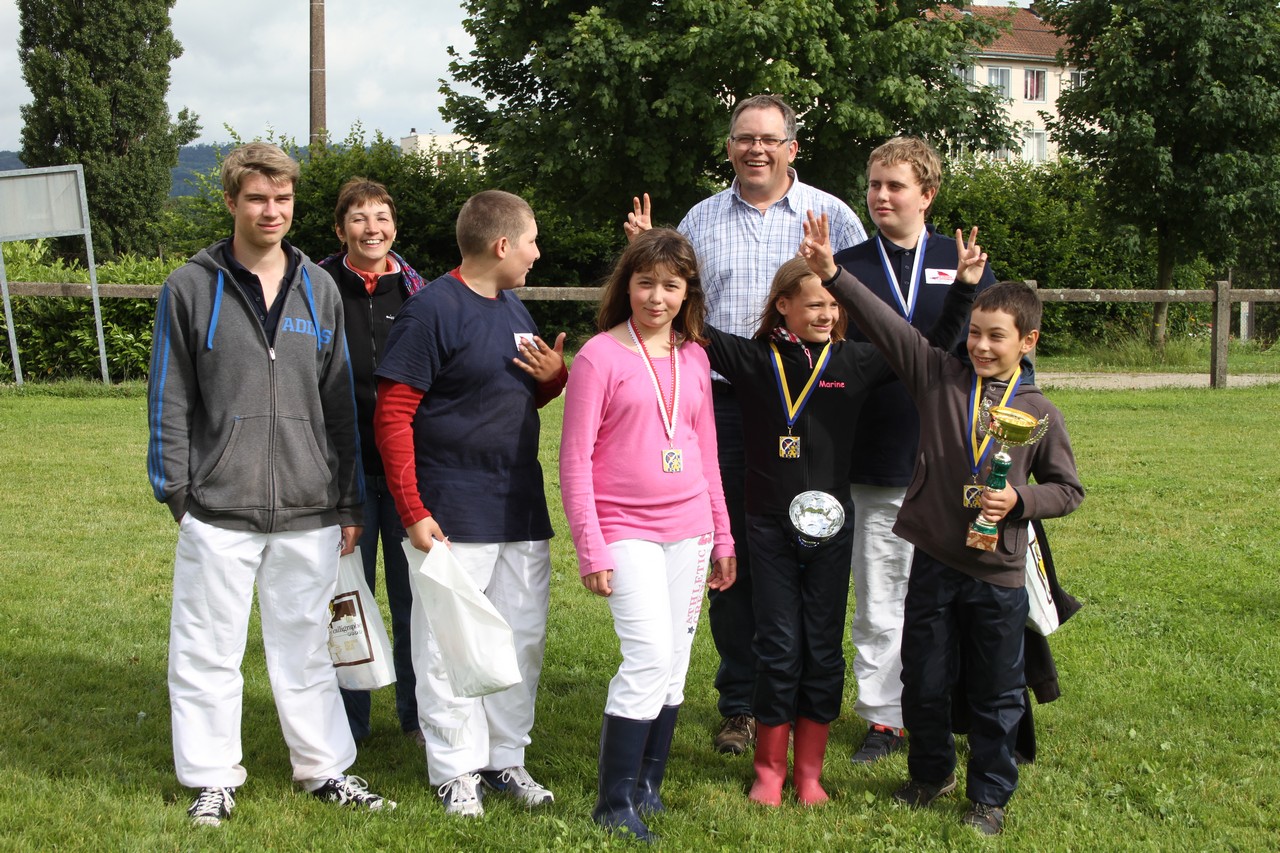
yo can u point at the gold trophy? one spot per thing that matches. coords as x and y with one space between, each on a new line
1012 428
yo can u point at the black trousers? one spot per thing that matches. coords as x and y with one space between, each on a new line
953 620
733 623
801 595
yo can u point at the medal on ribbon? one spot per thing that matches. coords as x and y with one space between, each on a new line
906 299
789 445
672 458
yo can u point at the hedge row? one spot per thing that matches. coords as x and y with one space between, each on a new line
1037 222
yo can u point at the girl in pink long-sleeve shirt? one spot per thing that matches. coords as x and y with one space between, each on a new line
641 490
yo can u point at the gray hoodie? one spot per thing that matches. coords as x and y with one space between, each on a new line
245 435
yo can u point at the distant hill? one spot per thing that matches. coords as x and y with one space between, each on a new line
192 160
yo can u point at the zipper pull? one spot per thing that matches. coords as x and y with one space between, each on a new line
272 352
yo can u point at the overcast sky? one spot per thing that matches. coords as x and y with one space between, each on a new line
245 64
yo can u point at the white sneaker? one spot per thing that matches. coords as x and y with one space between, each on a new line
517 782
212 806
461 795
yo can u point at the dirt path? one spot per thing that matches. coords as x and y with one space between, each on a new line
1129 381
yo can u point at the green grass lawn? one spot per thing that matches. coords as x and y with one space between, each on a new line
1165 737
1180 355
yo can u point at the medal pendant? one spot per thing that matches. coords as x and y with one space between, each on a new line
788 447
672 461
972 493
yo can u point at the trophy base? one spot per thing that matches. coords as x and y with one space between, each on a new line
981 541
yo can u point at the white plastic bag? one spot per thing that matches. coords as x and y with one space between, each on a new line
358 641
476 644
1042 613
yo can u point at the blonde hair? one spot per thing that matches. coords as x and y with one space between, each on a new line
489 215
920 155
260 158
787 282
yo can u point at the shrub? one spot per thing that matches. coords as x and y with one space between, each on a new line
56 336
1042 222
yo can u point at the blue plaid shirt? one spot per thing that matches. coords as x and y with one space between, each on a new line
739 249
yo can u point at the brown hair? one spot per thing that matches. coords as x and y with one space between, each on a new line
787 282
659 247
261 158
920 155
1015 299
766 102
358 191
488 216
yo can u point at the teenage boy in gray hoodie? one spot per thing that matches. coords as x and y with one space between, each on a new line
253 448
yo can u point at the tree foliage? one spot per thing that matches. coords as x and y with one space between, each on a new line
595 100
429 190
98 71
1043 222
1179 115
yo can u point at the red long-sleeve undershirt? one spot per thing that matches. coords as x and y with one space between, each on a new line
393 431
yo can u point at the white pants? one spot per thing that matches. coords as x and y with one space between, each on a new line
489 733
213 579
656 601
881 566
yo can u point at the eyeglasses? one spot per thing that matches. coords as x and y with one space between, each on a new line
768 143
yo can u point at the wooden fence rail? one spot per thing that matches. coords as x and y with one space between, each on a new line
1220 293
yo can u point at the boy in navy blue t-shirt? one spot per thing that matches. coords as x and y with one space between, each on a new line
460 384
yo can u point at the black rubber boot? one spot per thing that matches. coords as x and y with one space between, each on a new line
654 766
622 744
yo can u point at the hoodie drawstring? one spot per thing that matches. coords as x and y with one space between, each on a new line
311 306
213 319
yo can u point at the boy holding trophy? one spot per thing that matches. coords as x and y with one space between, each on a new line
966 606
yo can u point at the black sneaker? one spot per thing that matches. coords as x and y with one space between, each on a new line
987 819
880 742
212 806
920 794
736 734
351 791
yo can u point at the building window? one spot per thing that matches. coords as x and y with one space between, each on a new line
1078 77
1033 84
1001 79
967 73
1035 146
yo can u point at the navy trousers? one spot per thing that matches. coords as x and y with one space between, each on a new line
381 521
733 624
953 619
801 598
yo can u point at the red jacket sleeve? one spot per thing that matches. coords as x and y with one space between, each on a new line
549 390
393 431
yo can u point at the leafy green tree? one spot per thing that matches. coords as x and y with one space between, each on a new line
428 190
1179 115
595 100
98 71
1043 222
